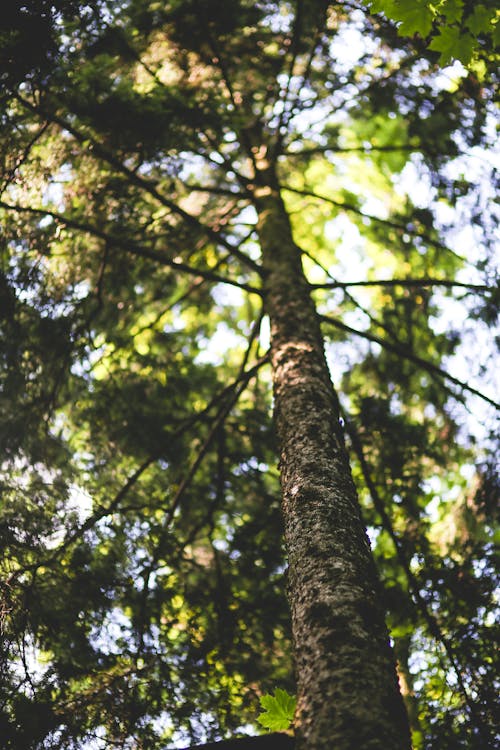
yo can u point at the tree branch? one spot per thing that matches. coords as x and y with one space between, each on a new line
10 174
131 247
354 149
387 222
404 283
285 93
215 190
402 351
413 584
354 301
237 385
98 150
241 383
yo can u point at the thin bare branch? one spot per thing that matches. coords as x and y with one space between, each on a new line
371 217
354 149
287 114
351 298
212 189
293 43
242 381
224 410
10 174
409 283
413 584
402 351
218 421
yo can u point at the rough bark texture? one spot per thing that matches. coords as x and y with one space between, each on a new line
348 696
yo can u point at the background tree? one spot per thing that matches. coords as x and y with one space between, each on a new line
153 158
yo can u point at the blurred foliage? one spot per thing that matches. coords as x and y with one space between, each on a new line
143 573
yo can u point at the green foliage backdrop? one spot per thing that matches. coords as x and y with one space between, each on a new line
142 570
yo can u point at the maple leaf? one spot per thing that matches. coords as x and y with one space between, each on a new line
279 710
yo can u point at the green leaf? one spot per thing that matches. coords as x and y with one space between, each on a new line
452 10
279 710
495 30
453 44
414 18
383 6
481 20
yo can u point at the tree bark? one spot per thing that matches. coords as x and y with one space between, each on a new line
348 694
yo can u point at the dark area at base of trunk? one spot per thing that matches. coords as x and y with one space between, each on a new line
274 741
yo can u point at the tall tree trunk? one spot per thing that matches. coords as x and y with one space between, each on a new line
348 695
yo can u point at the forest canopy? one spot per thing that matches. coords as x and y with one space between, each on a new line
144 571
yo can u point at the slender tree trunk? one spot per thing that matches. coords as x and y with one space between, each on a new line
406 679
348 695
